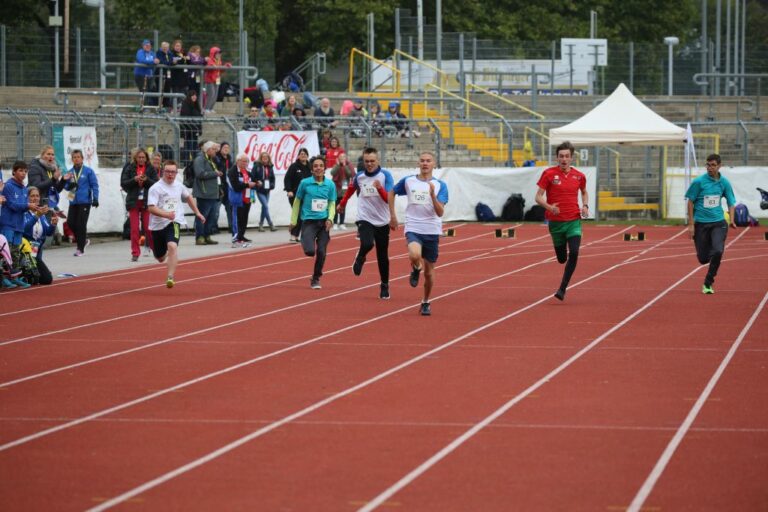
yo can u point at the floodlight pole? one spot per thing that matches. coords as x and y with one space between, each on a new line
670 41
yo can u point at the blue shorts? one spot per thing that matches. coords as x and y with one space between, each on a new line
428 243
162 237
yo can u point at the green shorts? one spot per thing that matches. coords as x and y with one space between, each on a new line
562 231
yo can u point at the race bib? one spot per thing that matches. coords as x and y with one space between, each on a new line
419 197
319 205
170 204
368 190
711 201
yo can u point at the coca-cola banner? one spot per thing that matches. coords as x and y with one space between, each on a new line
283 147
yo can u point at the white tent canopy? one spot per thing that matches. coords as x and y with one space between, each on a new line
619 119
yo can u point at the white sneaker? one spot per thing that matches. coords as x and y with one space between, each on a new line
335 227
343 227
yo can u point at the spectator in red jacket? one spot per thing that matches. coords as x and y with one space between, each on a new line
212 77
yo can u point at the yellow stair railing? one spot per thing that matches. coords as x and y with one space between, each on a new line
466 135
442 75
395 72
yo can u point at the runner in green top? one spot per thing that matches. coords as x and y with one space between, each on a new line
706 222
316 202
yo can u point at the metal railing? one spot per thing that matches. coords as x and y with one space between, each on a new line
316 64
242 74
61 97
369 59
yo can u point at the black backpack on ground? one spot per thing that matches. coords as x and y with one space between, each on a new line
513 208
535 214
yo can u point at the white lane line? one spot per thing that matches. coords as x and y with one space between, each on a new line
457 442
37 336
669 451
207 329
155 268
229 369
268 428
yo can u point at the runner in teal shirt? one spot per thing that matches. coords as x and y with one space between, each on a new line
316 201
706 221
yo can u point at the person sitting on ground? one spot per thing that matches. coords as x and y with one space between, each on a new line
15 205
36 228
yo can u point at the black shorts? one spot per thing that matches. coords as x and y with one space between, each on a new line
163 237
429 244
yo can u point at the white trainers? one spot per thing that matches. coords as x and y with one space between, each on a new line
343 227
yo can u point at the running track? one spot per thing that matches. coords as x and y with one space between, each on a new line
243 389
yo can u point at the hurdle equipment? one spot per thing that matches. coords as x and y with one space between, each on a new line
449 232
505 233
634 237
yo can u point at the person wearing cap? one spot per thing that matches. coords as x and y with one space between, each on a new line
316 201
143 75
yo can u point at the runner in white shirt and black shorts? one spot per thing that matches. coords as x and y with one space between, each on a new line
427 197
166 215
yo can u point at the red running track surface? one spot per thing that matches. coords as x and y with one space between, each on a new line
242 388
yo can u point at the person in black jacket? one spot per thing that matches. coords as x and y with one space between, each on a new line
224 162
192 127
241 195
297 171
264 175
135 180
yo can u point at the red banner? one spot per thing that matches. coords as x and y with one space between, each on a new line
283 147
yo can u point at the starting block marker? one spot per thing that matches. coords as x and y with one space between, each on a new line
505 233
634 237
449 232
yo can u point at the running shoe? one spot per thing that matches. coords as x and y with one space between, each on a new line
78 253
134 258
315 284
560 294
147 252
21 283
248 240
357 266
424 309
707 290
415 277
7 283
384 291
237 244
169 282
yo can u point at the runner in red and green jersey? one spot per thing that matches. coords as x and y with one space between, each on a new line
561 184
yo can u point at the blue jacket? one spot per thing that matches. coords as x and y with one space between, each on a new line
16 203
87 186
144 57
46 229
